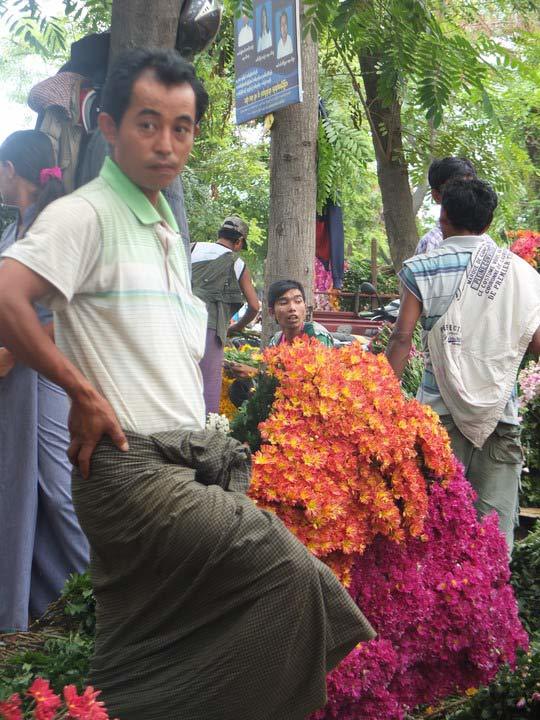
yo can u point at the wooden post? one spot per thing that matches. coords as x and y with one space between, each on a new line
374 268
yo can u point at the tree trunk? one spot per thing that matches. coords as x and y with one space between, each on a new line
392 172
137 23
293 188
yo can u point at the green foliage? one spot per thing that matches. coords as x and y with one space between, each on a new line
64 654
342 152
62 660
244 427
79 603
513 695
359 271
525 579
32 28
227 175
414 369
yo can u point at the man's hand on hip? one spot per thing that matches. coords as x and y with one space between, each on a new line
7 361
91 417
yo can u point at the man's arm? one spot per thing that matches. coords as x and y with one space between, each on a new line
91 416
534 345
246 286
399 345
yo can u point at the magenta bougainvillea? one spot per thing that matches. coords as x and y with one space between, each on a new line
443 608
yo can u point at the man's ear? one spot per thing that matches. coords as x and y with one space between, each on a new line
10 167
108 127
436 195
271 310
196 130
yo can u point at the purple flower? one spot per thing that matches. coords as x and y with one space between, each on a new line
445 614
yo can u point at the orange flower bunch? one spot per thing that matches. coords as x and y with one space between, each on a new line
346 455
226 407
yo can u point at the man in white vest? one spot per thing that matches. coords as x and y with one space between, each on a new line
479 307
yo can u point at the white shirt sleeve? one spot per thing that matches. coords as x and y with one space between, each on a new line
239 267
62 246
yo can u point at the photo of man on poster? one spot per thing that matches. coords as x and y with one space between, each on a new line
284 46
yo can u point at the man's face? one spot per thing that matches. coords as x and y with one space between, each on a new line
290 311
156 134
283 27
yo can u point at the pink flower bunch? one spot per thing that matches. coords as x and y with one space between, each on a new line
529 382
445 614
323 283
527 246
47 705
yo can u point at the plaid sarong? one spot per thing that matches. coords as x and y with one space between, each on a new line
207 607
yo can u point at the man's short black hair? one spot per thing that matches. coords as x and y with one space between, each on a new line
469 204
440 171
169 67
279 288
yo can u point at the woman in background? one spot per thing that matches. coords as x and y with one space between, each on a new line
41 542
265 37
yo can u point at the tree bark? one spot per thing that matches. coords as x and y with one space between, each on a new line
392 172
293 188
137 23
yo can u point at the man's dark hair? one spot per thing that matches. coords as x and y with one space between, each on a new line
440 171
279 288
469 204
169 67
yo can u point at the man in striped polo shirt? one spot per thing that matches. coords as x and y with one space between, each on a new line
207 607
479 307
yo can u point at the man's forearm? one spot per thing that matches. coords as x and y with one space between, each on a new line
397 351
32 345
244 321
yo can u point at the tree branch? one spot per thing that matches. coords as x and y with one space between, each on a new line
358 90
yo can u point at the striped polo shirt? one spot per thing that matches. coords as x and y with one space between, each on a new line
434 279
124 312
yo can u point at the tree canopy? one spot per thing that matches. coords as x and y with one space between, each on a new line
402 80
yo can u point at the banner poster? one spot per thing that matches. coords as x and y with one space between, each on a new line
267 59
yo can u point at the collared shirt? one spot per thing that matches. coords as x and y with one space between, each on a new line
311 329
434 279
434 238
124 311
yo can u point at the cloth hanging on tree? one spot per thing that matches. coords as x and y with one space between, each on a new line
330 241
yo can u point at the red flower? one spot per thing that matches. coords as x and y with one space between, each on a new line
10 709
47 702
85 706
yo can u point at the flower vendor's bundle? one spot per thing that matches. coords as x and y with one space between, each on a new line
44 704
527 246
366 479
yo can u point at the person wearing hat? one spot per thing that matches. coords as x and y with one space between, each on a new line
221 279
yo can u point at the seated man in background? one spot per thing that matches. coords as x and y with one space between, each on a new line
287 305
479 306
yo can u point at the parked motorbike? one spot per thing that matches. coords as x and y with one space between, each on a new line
388 312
